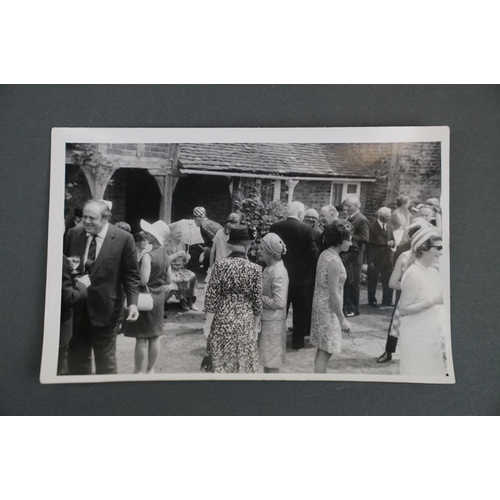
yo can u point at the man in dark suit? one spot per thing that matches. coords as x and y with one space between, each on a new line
379 257
354 257
300 262
73 290
108 255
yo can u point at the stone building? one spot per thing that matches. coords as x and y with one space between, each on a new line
167 181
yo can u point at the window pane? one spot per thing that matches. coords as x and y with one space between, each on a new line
337 194
352 188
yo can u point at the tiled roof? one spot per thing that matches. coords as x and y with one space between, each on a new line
304 160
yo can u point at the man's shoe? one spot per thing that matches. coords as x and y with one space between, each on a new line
387 356
373 304
351 314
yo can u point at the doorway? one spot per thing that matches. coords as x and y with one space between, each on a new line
209 191
142 198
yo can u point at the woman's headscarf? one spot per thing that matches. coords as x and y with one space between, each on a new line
418 239
274 244
421 236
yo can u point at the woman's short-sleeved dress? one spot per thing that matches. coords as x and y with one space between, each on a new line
272 338
420 334
234 296
150 323
326 333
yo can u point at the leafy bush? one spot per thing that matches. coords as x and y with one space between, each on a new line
261 215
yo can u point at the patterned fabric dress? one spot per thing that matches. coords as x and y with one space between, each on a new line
234 296
421 333
272 338
183 279
150 323
326 333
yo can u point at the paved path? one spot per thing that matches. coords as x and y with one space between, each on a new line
183 344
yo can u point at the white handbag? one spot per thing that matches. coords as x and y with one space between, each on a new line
144 301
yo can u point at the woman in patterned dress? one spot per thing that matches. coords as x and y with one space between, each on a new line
272 337
233 305
328 321
149 326
420 330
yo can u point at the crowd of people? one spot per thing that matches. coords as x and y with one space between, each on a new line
312 260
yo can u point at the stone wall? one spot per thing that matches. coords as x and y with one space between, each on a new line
418 167
313 194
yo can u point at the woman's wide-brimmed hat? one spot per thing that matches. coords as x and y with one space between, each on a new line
241 234
151 229
163 229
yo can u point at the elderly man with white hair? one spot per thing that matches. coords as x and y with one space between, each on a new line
327 215
311 218
300 263
379 256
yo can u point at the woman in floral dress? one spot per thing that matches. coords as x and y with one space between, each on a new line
233 305
272 337
328 321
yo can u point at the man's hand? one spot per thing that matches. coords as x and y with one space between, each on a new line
133 313
391 243
84 280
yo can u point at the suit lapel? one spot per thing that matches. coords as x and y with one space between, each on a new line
106 244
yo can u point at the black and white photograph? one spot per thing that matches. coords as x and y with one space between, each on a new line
248 254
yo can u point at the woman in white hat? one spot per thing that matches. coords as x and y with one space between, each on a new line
421 297
149 326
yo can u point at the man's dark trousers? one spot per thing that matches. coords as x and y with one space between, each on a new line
352 287
88 338
301 298
376 271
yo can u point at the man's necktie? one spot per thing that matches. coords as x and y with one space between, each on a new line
91 255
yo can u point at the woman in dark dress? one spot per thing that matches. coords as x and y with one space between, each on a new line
149 326
234 306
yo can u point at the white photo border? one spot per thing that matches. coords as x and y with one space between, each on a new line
61 136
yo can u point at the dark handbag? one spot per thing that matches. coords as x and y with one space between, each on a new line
206 363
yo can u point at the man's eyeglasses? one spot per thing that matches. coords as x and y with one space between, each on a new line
439 247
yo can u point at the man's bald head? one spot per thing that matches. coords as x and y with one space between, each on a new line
296 209
351 205
328 214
